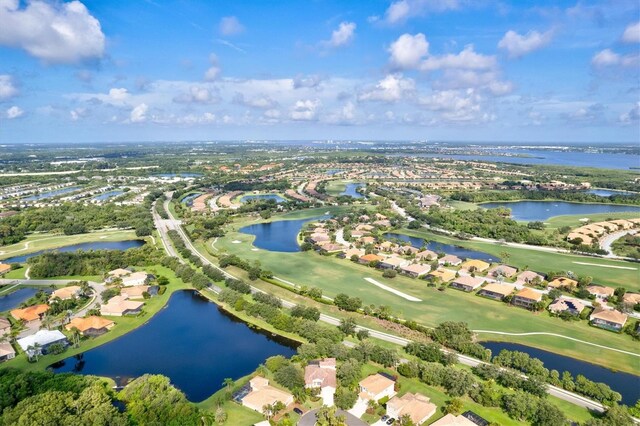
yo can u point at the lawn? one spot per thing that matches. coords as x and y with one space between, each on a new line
335 276
336 187
37 242
574 220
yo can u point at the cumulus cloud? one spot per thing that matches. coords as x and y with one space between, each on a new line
259 102
608 58
118 94
214 70
467 59
488 81
632 33
56 32
407 51
392 88
78 113
14 112
198 95
139 113
632 116
230 26
8 88
518 45
343 35
401 10
305 110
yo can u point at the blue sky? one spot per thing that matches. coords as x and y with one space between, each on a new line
473 70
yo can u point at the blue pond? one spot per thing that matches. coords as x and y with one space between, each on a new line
608 192
351 190
188 200
628 385
461 252
14 299
191 341
281 235
96 245
543 210
51 193
275 197
107 195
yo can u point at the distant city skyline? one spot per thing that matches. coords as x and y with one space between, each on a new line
449 70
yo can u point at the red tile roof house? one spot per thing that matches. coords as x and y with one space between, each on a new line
322 374
467 283
526 298
608 319
368 258
417 407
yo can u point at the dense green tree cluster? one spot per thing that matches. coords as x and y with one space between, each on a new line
458 336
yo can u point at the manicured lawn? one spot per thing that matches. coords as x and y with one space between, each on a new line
574 220
336 187
16 274
335 276
37 242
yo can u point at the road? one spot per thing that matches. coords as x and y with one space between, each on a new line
607 240
463 359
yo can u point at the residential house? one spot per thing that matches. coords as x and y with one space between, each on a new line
608 319
368 258
631 298
136 278
348 253
426 255
450 259
416 270
39 343
467 283
528 277
563 282
116 274
4 268
376 387
574 307
418 407
526 298
451 420
6 351
318 238
91 326
138 292
331 247
382 223
393 262
118 306
502 271
367 240
5 327
600 292
445 275
263 394
66 293
30 314
496 291
322 375
475 265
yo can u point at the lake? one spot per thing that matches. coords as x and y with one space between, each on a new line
94 245
107 195
191 341
51 193
188 200
351 190
280 235
543 210
275 197
608 192
628 385
12 300
441 247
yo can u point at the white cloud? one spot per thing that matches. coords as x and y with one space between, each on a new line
305 110
518 45
488 81
118 94
401 10
214 70
632 33
407 51
198 95
8 88
230 25
78 113
467 59
260 102
343 34
609 58
14 112
632 116
139 113
393 87
55 32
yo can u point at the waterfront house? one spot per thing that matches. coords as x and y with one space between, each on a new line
39 343
322 375
30 314
4 268
66 293
416 270
117 273
529 277
600 292
138 291
426 255
450 259
496 291
376 387
6 351
5 327
475 265
502 271
608 319
118 306
467 283
90 326
445 275
563 282
136 278
263 394
418 407
526 298
574 307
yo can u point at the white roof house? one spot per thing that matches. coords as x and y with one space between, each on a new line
42 338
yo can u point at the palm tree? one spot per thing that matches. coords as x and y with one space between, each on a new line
47 322
228 383
75 336
505 255
268 410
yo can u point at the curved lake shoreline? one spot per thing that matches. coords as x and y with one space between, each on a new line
278 235
541 210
